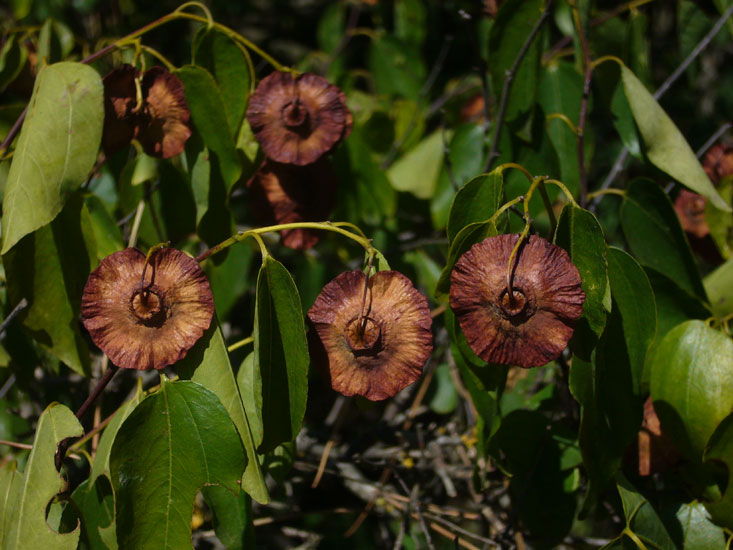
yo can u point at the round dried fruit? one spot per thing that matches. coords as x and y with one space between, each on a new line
529 326
298 119
283 193
150 325
375 350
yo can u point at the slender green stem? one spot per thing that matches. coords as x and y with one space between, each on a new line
519 167
604 59
548 207
565 119
241 343
255 233
608 191
563 188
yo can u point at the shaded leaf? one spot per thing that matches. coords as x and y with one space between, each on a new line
692 384
94 503
232 517
476 201
396 67
106 231
666 147
655 236
209 114
25 526
281 354
249 381
207 363
49 268
228 64
633 295
168 448
721 450
12 60
56 148
641 517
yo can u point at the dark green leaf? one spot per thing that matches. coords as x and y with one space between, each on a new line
177 440
281 354
12 60
623 120
509 32
209 114
56 148
232 517
666 147
445 397
49 268
634 297
396 67
331 26
721 450
641 517
655 237
94 502
692 384
410 21
208 364
228 64
249 381
230 279
106 231
721 223
28 495
476 201
581 235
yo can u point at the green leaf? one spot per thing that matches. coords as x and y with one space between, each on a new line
249 381
655 237
666 147
513 24
721 223
177 440
464 159
417 170
579 232
209 114
445 397
230 279
468 236
94 503
396 67
49 268
100 464
281 354
721 450
410 21
634 297
208 364
700 532
623 120
12 60
106 231
24 524
228 64
56 148
641 517
718 286
232 517
692 384
560 92
476 201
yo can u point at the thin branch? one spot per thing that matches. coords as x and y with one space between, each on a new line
509 79
580 139
618 165
12 315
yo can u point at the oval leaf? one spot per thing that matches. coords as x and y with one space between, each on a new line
208 364
175 441
666 147
24 525
281 354
417 170
209 114
579 232
655 236
56 148
476 201
692 384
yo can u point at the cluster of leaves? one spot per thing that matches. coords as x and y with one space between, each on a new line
441 142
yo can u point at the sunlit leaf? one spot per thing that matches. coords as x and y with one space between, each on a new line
56 148
416 171
666 147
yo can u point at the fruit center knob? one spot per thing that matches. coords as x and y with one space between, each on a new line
147 306
513 304
363 334
294 114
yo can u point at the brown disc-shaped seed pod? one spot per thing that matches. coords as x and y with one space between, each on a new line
164 128
120 120
718 162
150 326
531 326
376 354
298 119
284 193
690 208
